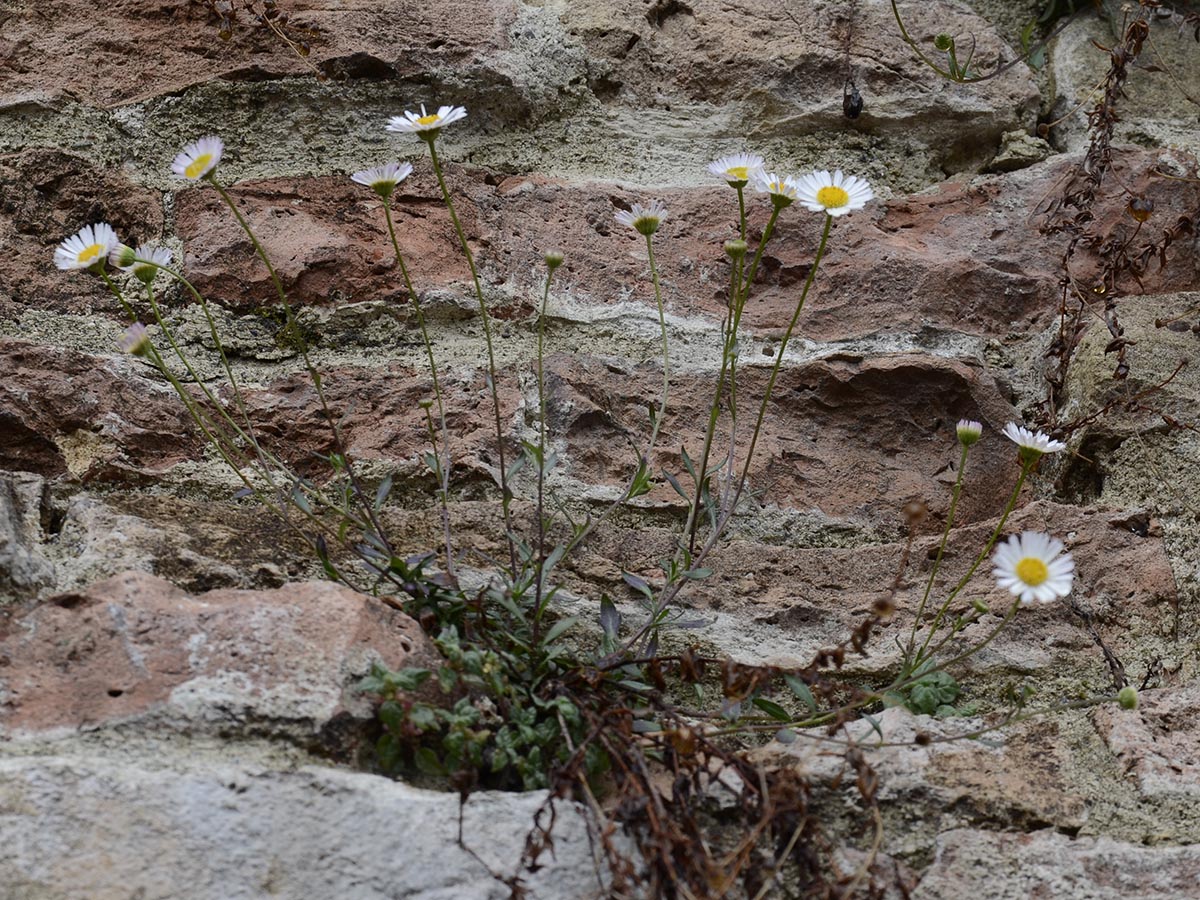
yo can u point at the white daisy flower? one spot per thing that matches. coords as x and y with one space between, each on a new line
969 431
88 247
645 219
1032 444
411 123
783 191
147 260
383 179
835 194
1034 568
198 158
737 169
135 339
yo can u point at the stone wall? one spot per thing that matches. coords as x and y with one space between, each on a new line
176 695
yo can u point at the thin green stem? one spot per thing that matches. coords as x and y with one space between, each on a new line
1026 467
779 353
1012 611
581 535
744 292
430 139
445 462
541 460
741 210
733 355
714 412
671 590
662 324
208 427
313 374
212 432
937 562
212 330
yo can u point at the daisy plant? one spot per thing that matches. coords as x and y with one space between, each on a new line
235 441
383 180
646 220
428 126
91 248
1023 573
834 195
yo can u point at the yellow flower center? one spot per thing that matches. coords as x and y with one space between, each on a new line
91 253
198 165
738 173
832 197
428 120
1032 571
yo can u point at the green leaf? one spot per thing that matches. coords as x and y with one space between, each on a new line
687 464
610 619
773 709
553 558
428 763
392 715
638 584
560 628
300 501
635 686
408 679
643 726
801 690
447 679
422 717
871 720
387 748
534 451
381 494
431 462
641 483
697 574
674 482
514 467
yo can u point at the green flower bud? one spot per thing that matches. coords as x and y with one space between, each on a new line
943 42
735 249
554 259
1127 697
122 256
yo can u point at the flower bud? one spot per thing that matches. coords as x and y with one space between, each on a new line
135 340
554 259
1127 697
121 256
735 249
943 42
968 431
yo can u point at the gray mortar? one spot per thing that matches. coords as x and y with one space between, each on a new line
296 127
529 110
378 334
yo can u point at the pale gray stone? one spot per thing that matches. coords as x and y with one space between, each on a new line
1004 866
164 825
